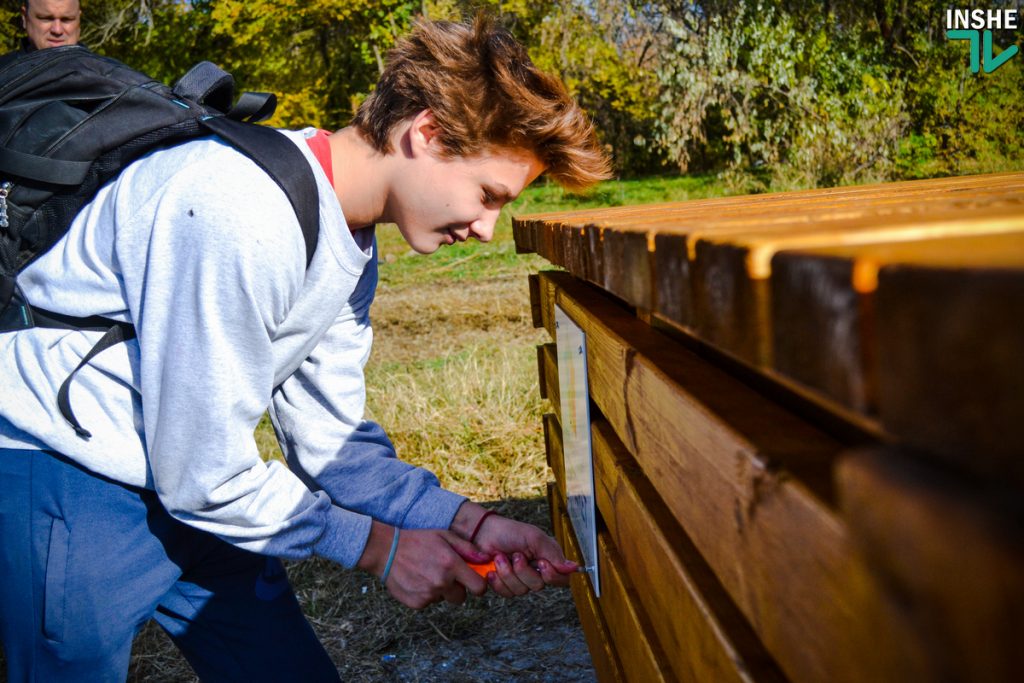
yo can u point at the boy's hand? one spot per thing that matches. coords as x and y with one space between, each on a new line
429 565
526 559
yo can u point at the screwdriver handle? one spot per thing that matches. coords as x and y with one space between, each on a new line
484 567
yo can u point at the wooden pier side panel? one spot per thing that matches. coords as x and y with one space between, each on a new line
806 416
749 484
951 552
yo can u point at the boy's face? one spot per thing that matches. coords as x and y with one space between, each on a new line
51 23
443 200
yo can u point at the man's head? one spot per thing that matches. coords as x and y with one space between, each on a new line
484 96
51 23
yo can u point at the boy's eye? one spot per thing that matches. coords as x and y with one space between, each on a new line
489 197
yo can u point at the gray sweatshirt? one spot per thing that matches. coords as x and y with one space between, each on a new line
201 250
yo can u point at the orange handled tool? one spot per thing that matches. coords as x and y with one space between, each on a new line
485 567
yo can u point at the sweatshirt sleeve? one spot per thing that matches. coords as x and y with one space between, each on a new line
217 278
318 413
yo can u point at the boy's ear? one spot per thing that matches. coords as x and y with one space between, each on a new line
425 133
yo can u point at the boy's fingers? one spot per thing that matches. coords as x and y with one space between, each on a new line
498 586
466 550
552 576
529 576
508 576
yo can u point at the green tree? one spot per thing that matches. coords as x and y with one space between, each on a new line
776 103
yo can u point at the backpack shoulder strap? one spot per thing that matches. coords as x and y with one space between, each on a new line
283 162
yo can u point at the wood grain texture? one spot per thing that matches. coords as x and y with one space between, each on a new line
723 247
602 650
750 484
951 555
827 295
533 284
705 637
950 364
629 626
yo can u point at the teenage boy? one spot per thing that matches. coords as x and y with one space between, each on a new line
167 511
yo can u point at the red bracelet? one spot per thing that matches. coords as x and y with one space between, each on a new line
480 523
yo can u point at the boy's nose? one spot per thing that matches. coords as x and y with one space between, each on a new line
483 227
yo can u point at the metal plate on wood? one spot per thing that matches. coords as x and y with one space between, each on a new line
578 458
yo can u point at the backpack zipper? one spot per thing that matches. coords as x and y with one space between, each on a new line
5 189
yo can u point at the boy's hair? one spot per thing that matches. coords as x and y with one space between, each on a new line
484 92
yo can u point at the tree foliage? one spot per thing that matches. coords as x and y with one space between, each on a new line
771 93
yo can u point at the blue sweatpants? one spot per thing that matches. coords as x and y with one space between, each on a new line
85 562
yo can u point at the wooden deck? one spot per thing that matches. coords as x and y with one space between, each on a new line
807 430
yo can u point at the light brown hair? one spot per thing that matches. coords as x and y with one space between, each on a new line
484 92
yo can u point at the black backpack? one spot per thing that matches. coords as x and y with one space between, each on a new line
70 120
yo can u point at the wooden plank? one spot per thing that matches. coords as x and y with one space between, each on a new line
704 635
628 267
545 302
629 626
949 552
606 661
541 379
951 374
534 300
594 261
751 485
673 293
553 448
822 307
548 359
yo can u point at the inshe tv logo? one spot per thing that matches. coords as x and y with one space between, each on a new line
976 25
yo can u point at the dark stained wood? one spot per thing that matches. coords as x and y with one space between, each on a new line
962 189
541 379
796 214
673 293
534 300
730 273
949 553
707 267
628 268
951 364
704 635
827 295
